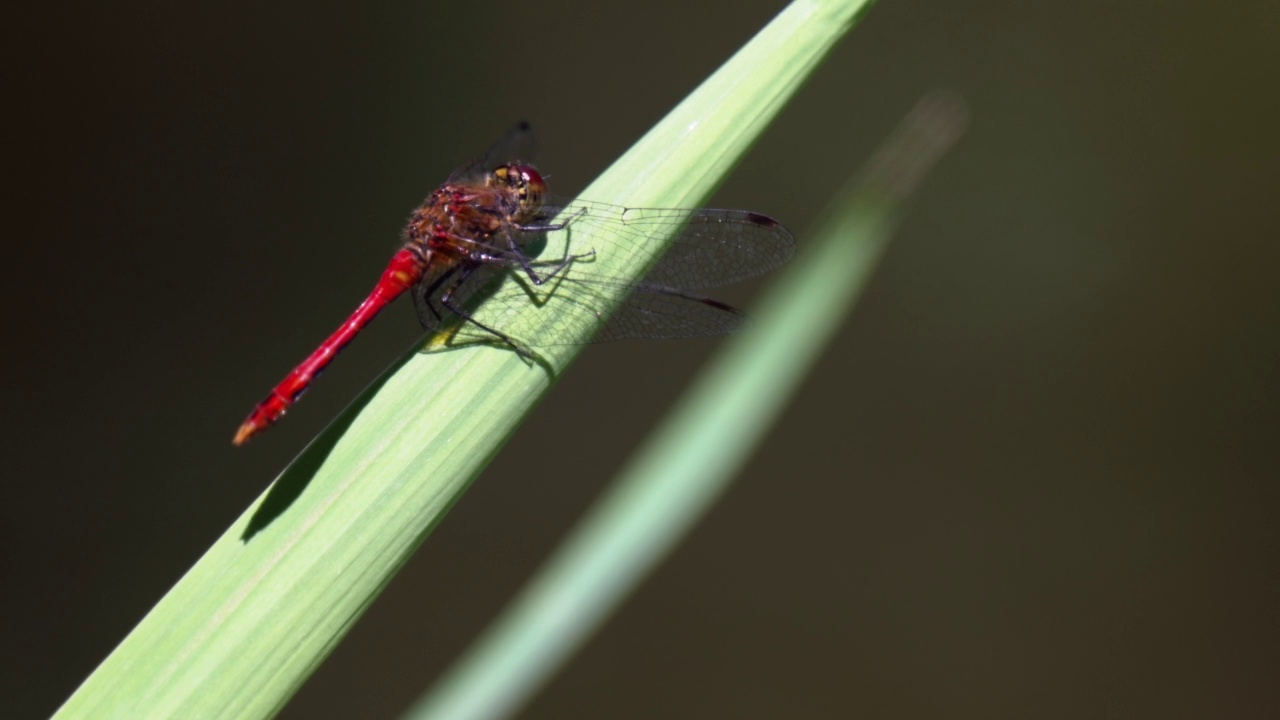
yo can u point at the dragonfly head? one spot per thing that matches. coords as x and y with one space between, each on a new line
527 183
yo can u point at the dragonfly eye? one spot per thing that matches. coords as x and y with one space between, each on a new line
527 183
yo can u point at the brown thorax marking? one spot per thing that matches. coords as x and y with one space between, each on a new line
460 222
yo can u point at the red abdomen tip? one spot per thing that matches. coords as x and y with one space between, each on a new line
262 417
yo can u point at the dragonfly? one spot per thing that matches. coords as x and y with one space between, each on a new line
492 219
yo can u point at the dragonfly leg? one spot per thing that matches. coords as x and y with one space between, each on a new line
447 300
557 266
552 227
530 266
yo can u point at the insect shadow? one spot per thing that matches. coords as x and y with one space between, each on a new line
449 331
445 337
295 478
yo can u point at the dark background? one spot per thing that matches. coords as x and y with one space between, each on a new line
1034 477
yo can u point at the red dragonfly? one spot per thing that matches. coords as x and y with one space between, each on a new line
491 219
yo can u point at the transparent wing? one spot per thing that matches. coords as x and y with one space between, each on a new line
660 313
712 248
565 313
518 145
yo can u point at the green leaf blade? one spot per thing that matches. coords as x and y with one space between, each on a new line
249 623
695 453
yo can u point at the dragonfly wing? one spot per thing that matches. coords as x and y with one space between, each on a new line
711 247
656 312
568 311
518 145
718 247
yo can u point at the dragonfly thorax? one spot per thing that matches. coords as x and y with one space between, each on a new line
457 219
